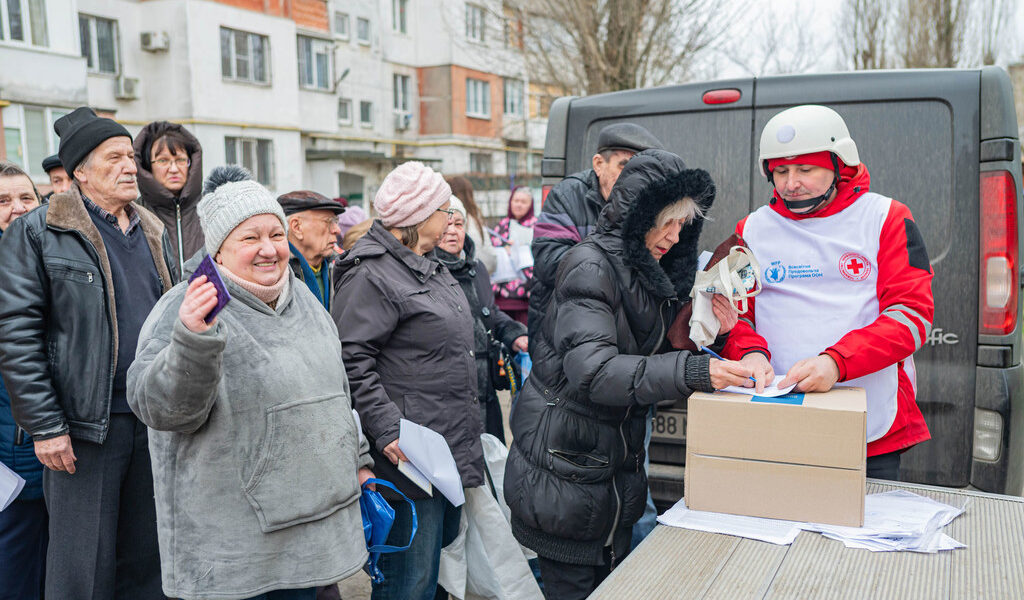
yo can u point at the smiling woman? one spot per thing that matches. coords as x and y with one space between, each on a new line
242 397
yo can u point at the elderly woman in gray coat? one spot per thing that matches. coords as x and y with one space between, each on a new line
257 461
407 337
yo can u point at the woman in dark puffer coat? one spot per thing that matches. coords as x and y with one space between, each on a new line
575 479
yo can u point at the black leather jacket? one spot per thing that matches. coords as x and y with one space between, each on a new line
58 325
574 479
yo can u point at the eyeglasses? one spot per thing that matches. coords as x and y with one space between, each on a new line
450 211
331 221
165 163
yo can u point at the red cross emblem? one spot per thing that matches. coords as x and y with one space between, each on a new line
854 266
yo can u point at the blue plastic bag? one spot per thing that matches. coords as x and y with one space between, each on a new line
378 518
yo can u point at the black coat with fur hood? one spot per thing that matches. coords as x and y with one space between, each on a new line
575 478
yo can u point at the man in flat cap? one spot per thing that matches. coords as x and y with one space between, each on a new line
77 279
572 207
59 180
312 232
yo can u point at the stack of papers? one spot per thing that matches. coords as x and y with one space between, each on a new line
774 531
893 521
897 520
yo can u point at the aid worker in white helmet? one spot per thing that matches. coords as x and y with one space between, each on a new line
847 293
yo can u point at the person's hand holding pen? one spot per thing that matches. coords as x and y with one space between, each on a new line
729 372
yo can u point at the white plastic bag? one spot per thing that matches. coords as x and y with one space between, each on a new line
485 561
737 277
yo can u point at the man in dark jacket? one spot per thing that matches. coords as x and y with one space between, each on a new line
78 278
169 160
312 232
574 479
572 208
456 251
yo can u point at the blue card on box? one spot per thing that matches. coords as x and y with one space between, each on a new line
208 268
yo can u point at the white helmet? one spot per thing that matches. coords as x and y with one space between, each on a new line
804 130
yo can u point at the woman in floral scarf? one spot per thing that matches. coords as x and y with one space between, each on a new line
512 296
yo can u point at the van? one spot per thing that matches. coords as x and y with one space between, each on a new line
942 141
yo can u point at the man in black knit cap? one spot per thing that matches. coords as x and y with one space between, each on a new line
77 279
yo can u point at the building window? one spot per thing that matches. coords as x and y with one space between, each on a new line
366 113
99 43
24 21
480 162
514 97
475 22
341 25
345 111
243 56
399 15
478 98
254 154
401 94
514 162
29 136
363 31
314 63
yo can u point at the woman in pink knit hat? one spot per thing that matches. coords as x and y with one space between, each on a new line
407 343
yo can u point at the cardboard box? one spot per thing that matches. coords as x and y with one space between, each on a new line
799 457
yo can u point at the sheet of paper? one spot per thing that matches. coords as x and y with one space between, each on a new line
771 391
773 531
414 475
522 256
520 235
428 451
703 259
10 486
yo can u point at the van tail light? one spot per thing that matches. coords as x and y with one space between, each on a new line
726 96
1000 275
544 194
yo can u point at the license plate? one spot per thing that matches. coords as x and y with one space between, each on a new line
669 426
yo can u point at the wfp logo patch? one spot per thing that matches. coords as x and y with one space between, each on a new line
854 266
775 272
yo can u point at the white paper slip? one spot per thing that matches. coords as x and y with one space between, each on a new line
414 475
703 260
774 531
428 451
770 391
11 485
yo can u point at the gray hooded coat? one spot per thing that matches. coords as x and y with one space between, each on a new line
255 449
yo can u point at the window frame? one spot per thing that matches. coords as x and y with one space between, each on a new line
318 47
255 145
366 123
369 31
476 23
350 119
233 56
518 100
476 157
94 51
478 95
400 95
14 118
400 16
25 20
347 19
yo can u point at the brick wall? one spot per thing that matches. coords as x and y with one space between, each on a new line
311 14
464 125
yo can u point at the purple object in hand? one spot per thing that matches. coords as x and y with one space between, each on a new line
208 268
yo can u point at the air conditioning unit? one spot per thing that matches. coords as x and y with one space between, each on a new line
155 41
402 121
127 88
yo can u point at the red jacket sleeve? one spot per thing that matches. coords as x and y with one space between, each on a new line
904 301
743 339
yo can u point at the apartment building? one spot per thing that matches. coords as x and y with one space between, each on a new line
320 94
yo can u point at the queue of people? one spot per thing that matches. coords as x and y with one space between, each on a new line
177 444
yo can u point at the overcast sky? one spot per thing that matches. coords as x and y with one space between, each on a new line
790 17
